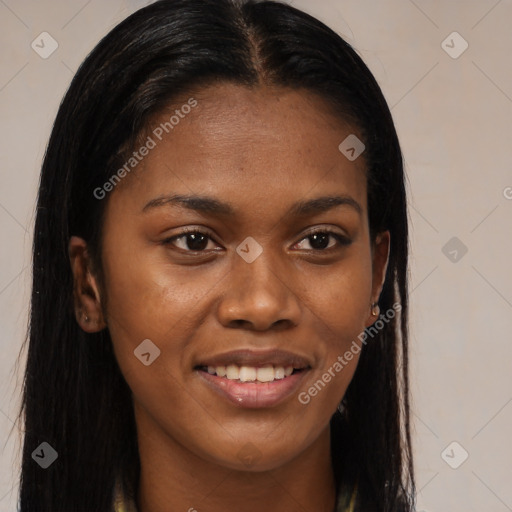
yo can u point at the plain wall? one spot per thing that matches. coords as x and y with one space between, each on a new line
453 117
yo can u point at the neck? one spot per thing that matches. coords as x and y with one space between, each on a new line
173 478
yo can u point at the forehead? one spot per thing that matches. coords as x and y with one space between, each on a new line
262 146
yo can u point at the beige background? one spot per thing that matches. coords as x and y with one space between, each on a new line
453 117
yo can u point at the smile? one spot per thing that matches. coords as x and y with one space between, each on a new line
253 387
266 373
253 379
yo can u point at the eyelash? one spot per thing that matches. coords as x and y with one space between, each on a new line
342 240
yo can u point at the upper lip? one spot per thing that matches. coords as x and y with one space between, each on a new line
275 357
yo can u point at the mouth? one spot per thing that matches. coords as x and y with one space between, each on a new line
250 379
262 374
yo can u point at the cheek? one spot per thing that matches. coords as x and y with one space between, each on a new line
147 313
147 297
343 300
341 305
150 300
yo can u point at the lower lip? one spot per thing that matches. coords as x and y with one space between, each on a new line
254 395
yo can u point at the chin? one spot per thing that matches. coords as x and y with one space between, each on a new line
253 459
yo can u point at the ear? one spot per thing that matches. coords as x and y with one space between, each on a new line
86 292
380 258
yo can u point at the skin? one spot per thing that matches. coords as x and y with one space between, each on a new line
261 150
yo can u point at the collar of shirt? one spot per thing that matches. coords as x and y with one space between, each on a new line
124 504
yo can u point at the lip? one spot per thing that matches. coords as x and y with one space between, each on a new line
257 359
254 395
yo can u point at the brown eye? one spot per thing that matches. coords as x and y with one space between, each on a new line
190 240
319 240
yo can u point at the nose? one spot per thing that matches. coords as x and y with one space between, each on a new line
259 296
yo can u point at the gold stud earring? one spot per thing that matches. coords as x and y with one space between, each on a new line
375 309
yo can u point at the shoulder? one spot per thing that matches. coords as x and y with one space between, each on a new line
346 502
354 502
123 503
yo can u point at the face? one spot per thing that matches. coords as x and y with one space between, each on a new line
274 283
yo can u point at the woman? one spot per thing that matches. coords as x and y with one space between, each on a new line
219 307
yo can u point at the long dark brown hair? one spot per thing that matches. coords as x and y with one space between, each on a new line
74 395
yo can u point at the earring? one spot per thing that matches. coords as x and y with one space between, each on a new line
86 318
375 308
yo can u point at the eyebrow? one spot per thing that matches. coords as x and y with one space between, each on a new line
206 204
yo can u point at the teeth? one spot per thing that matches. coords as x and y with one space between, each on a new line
266 374
247 374
250 374
232 372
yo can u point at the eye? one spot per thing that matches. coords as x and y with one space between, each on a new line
190 240
195 240
319 240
